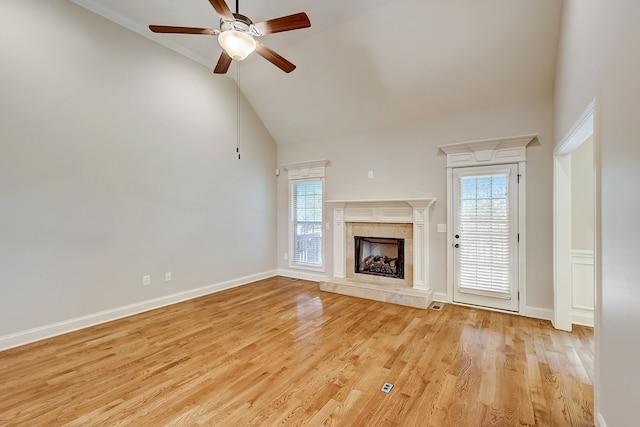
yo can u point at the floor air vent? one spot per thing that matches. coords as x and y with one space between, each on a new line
437 306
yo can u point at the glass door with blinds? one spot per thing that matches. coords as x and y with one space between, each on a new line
485 236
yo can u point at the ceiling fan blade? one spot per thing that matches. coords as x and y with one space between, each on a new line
223 63
284 23
181 30
274 58
222 9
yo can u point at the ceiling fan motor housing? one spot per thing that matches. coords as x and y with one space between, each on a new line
241 23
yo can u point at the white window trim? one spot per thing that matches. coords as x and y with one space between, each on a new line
300 172
484 153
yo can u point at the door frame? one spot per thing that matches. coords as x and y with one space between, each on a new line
562 286
488 153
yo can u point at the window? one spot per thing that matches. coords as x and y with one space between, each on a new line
306 223
306 214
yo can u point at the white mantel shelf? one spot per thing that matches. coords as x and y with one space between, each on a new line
381 201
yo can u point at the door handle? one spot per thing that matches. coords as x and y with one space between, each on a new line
457 236
456 245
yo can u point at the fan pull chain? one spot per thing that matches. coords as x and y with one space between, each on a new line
238 108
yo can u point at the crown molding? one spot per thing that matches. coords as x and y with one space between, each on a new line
487 151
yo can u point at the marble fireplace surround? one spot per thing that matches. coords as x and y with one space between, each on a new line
407 216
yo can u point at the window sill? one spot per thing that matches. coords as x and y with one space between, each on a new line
307 268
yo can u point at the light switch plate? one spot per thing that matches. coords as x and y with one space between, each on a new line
442 228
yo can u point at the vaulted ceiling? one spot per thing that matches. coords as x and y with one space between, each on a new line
369 63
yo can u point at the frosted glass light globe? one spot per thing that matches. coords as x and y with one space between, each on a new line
237 44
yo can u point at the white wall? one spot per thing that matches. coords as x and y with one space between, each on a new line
118 160
598 59
407 164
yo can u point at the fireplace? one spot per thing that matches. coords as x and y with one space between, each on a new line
400 224
379 256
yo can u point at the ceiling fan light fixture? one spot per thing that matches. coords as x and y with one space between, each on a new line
237 44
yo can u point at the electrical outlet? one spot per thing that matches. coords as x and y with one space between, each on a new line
442 228
370 175
286 256
167 276
146 280
386 387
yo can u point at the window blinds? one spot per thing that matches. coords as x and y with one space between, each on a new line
306 205
485 234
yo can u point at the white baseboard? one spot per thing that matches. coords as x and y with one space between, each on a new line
582 317
440 297
600 421
304 275
539 313
535 312
59 328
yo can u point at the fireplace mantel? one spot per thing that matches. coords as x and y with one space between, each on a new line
395 211
411 211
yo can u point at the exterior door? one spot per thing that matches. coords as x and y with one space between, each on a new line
485 236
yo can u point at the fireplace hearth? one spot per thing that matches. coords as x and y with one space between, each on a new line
379 256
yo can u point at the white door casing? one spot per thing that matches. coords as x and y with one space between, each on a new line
483 153
580 132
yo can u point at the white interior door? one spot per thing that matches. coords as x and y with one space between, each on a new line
485 236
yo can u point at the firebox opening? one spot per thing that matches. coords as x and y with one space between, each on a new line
379 256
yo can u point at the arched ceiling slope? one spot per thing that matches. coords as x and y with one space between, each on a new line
369 63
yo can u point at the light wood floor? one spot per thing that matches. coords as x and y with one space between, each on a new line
280 352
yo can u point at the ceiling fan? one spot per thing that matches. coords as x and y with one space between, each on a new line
237 35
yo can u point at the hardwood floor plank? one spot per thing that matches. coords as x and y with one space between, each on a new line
280 352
